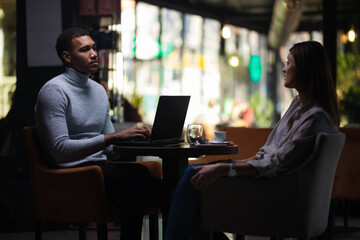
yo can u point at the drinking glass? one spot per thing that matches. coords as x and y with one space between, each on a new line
195 133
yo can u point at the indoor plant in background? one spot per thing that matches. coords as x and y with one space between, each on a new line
348 78
350 106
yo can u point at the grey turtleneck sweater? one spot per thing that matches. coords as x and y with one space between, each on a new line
72 114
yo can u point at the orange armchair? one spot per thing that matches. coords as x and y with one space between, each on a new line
74 195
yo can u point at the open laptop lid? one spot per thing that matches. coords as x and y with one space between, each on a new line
170 117
168 123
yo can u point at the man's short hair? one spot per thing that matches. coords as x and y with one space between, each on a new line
64 41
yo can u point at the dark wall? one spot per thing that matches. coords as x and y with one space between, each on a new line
16 205
31 79
29 82
16 200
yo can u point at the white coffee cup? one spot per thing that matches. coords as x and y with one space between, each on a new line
220 136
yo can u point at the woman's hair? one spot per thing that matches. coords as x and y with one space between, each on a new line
64 41
314 78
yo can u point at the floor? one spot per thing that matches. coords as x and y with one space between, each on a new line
351 233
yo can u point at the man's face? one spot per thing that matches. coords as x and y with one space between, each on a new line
83 55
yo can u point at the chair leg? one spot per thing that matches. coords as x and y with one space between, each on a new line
154 227
38 229
331 220
102 232
82 231
346 212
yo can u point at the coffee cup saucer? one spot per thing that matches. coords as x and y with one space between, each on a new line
215 142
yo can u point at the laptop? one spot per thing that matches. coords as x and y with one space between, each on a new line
168 123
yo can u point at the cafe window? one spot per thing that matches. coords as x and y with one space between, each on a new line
171 49
7 54
147 60
168 52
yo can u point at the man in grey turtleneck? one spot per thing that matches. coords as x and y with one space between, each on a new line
74 127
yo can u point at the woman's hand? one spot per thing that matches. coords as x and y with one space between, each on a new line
207 174
139 132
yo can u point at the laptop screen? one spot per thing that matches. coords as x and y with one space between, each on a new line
170 117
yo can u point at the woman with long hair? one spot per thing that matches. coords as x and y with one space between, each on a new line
292 140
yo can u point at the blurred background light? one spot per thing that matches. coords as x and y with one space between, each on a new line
226 32
351 35
234 61
291 4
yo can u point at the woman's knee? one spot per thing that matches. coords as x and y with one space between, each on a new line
189 173
190 169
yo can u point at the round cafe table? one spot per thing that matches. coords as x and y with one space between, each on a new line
174 161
